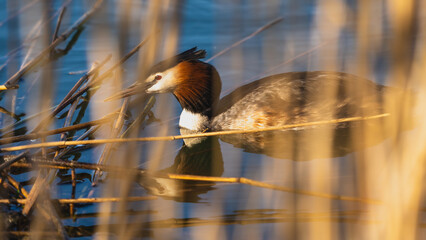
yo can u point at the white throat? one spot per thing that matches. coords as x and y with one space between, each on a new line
193 121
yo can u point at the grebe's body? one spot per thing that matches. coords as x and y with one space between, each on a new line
272 101
294 97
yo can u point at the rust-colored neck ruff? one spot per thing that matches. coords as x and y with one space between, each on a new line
198 87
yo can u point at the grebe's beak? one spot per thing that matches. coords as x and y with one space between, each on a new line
137 88
144 87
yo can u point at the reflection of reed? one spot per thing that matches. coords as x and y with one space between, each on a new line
305 200
244 217
166 182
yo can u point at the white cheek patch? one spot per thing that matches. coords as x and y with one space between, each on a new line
166 84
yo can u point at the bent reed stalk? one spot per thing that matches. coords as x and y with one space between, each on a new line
176 137
186 177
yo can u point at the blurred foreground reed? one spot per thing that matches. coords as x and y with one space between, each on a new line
73 165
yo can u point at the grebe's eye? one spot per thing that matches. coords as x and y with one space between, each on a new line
158 77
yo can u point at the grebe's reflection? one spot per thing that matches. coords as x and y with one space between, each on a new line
316 142
198 156
203 156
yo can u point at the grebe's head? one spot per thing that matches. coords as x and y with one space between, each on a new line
195 84
166 75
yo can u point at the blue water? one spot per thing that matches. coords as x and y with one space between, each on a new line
213 26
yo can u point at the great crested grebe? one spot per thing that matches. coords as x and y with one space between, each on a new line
271 101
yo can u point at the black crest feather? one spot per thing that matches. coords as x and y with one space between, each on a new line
188 55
